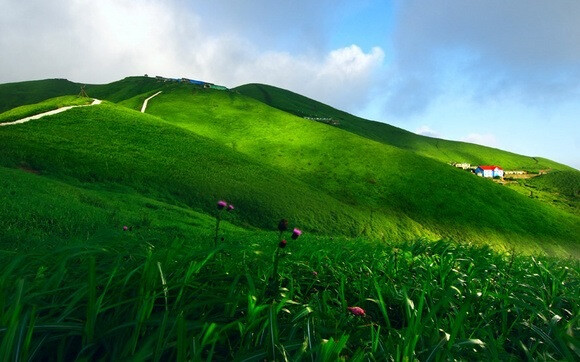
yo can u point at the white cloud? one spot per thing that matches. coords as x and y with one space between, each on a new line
427 131
485 139
103 41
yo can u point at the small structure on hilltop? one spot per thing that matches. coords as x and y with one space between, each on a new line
489 171
83 93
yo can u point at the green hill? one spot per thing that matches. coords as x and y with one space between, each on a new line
110 248
197 145
114 147
439 149
13 95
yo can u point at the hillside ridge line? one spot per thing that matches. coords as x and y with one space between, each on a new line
49 113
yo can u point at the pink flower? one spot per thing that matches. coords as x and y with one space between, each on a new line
125 228
358 311
230 207
315 273
221 204
296 233
282 244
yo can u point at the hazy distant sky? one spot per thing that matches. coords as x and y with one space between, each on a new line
500 73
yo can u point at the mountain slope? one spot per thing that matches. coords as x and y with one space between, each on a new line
383 180
206 144
439 149
111 145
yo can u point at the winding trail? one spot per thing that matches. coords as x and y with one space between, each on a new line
49 113
144 107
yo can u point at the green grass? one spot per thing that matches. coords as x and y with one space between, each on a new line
128 298
41 212
439 149
563 182
41 107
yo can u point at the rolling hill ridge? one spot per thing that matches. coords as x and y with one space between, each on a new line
439 149
254 146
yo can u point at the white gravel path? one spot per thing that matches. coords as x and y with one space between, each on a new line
49 113
144 107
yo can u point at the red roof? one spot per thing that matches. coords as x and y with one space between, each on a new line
490 167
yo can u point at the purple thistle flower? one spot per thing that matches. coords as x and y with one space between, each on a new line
230 207
296 233
282 244
357 311
221 204
125 228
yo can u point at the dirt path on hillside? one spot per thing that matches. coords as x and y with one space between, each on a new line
144 107
49 113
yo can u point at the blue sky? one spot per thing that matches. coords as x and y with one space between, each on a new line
500 73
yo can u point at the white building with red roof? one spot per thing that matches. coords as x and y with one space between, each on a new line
489 171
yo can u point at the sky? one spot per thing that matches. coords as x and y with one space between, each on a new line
504 74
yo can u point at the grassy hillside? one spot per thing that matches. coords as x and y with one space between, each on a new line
117 148
41 107
13 95
43 213
439 149
375 178
564 182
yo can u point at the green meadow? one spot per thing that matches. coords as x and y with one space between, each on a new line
112 247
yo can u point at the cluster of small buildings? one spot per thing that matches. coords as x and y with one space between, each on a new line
489 171
483 170
191 81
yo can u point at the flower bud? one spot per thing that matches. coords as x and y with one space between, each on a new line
283 225
357 311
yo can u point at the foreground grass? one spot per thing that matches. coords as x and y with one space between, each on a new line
127 297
